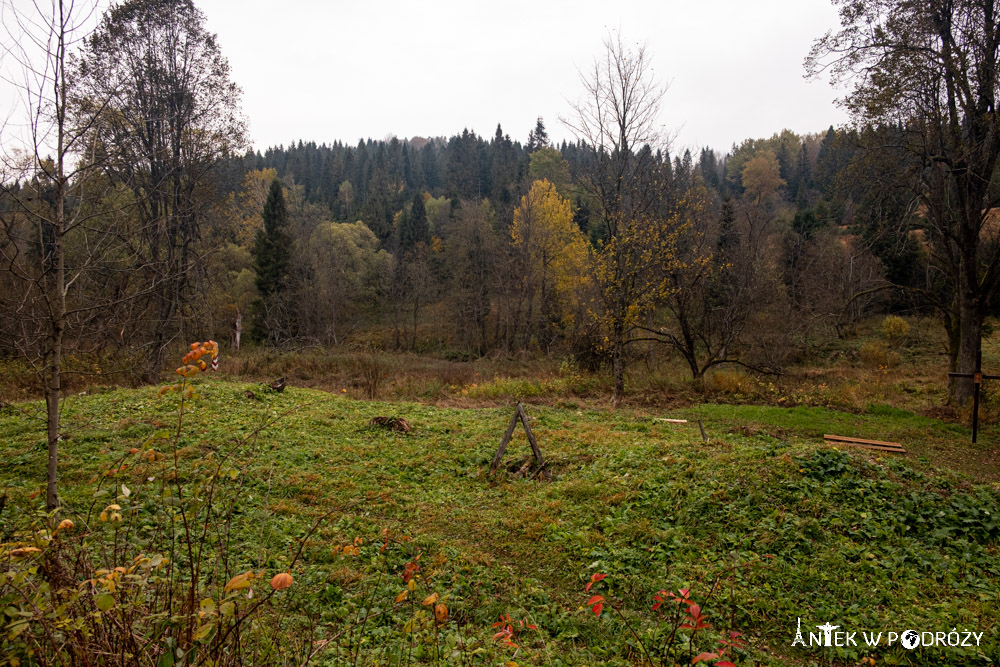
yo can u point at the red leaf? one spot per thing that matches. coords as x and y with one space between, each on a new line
657 606
597 577
703 656
684 592
533 627
585 588
595 599
597 608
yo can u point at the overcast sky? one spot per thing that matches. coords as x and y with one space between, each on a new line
333 70
336 70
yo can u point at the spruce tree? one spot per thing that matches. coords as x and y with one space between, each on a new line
272 256
413 226
538 137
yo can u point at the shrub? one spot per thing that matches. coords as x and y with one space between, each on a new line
876 355
152 573
732 382
894 328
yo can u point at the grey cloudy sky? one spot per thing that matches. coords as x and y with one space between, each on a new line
339 70
325 71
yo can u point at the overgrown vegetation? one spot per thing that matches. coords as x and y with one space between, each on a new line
762 525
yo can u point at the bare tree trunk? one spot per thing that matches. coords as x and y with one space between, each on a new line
239 329
618 365
58 305
57 294
970 323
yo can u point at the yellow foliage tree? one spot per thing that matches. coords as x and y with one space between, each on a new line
554 256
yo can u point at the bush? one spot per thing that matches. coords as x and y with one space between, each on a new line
154 572
876 355
733 383
894 328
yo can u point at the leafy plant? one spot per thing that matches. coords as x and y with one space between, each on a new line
150 574
674 613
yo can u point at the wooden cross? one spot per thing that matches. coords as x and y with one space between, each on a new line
977 382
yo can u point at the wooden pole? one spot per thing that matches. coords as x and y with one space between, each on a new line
505 442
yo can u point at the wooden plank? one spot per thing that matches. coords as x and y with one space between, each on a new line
866 444
894 450
861 440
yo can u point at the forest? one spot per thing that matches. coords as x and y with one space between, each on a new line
459 246
615 284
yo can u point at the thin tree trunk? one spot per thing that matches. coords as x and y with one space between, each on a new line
239 329
53 392
57 297
618 366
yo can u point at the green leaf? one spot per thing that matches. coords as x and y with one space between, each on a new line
105 602
204 631
167 659
227 608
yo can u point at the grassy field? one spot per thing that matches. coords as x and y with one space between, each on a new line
763 524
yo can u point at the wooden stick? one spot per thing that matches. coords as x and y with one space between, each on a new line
531 436
503 443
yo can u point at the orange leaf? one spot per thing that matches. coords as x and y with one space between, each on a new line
597 608
441 612
238 582
595 599
281 581
17 553
402 596
703 656
430 599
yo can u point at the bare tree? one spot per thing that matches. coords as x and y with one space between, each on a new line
619 117
171 113
42 234
932 70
